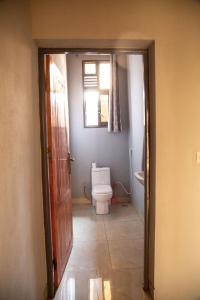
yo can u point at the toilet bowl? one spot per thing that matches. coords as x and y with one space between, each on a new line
102 195
101 190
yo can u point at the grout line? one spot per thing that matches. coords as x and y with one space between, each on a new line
107 241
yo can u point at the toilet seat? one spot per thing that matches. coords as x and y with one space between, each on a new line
102 189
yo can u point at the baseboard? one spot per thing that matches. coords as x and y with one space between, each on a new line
81 200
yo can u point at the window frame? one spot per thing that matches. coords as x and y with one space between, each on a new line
97 88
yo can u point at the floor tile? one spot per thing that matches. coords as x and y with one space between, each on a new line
91 255
78 286
125 284
106 262
122 212
85 229
126 253
86 211
114 285
82 210
116 230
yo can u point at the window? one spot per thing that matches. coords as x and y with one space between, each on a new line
96 92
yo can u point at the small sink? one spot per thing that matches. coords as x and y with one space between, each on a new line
140 176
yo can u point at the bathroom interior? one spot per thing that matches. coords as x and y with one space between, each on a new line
106 105
90 144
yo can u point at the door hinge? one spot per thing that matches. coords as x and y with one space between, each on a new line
55 263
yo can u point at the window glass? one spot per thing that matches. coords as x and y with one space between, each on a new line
97 81
90 68
104 75
104 108
91 107
90 81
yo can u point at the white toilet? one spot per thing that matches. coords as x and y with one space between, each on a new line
101 189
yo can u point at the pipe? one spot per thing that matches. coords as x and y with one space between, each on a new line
123 187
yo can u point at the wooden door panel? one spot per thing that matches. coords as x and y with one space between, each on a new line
59 167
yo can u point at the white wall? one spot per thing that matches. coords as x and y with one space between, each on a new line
22 250
96 144
135 69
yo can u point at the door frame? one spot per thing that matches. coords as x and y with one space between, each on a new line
149 207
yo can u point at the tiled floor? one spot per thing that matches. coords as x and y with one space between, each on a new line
106 262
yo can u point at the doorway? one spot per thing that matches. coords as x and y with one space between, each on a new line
125 207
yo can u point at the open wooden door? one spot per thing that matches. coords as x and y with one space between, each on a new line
58 166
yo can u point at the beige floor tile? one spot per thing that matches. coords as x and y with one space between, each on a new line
113 285
86 212
106 262
121 212
124 284
116 230
85 229
126 253
79 286
82 210
91 255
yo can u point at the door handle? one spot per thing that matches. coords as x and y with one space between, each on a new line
70 159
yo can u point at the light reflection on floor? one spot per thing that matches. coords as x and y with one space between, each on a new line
71 289
98 289
107 290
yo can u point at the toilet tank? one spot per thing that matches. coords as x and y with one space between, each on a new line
100 176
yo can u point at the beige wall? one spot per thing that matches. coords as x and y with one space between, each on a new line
22 252
174 25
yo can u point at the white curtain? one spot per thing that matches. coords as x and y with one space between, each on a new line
114 120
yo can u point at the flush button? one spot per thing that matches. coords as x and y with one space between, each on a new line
198 158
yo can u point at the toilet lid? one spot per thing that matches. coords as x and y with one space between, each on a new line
102 189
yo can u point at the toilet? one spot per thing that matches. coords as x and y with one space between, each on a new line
101 189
